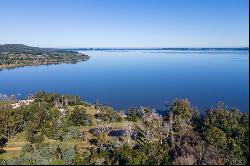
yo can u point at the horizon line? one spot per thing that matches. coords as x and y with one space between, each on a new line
122 47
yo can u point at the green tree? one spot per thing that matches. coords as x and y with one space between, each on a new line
79 117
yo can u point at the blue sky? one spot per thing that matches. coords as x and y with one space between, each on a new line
125 23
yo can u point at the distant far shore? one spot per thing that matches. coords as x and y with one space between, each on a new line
175 49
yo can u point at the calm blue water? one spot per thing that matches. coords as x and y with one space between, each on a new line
141 78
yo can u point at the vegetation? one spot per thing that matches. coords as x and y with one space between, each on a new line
15 55
62 129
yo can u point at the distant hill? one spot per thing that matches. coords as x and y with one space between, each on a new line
21 48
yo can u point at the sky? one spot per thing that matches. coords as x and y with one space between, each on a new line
125 23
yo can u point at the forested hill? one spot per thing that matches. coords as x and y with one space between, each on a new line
21 48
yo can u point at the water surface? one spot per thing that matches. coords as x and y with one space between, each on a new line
125 78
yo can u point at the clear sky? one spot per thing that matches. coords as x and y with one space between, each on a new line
125 23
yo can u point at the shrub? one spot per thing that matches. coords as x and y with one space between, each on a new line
27 148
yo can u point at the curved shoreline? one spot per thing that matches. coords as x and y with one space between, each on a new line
13 66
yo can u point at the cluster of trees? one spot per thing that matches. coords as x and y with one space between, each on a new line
21 55
180 136
57 100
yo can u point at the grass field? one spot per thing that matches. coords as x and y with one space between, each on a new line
14 146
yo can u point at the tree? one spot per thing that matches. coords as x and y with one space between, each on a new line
3 142
79 117
11 122
228 129
183 115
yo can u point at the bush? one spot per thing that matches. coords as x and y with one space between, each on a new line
27 148
68 155
72 133
37 138
109 116
135 114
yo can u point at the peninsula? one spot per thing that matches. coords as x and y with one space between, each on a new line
17 55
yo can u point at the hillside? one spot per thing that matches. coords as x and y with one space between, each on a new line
62 129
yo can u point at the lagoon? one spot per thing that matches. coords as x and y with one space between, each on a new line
127 78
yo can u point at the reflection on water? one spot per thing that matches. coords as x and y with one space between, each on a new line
124 78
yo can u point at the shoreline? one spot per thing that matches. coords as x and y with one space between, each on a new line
13 66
